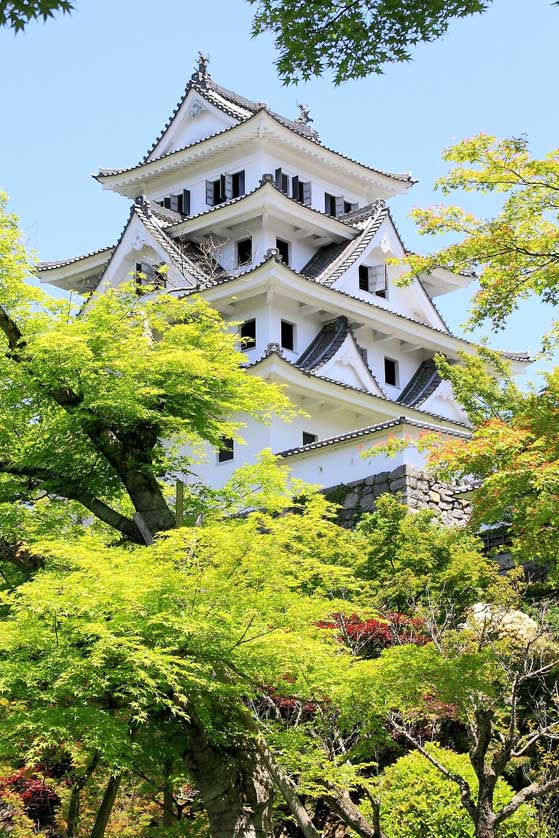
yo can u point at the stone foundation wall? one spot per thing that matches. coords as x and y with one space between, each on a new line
416 489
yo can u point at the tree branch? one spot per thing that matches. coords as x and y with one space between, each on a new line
287 789
343 806
463 785
531 792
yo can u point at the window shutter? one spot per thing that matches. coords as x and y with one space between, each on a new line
295 188
278 174
186 201
307 194
241 175
339 205
227 186
174 203
379 278
210 193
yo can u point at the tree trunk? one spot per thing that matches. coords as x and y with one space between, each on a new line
485 825
106 807
234 784
168 800
147 497
74 805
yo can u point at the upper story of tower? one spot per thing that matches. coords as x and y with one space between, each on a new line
217 146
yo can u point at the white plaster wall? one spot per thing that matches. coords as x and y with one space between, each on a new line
345 463
281 436
334 185
187 128
325 466
408 362
194 178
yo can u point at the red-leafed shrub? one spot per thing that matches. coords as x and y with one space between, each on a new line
40 801
368 638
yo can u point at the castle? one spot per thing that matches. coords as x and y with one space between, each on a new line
291 239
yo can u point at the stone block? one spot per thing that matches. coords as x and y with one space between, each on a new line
351 500
434 496
368 502
398 472
381 477
398 484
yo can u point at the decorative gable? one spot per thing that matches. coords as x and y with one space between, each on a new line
334 353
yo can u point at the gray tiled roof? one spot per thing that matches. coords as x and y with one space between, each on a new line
323 257
325 345
421 385
61 263
371 429
275 350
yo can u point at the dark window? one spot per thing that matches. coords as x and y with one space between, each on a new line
329 204
238 184
282 181
283 248
248 334
244 251
167 202
391 372
348 206
373 279
363 277
301 190
309 438
226 450
218 196
287 335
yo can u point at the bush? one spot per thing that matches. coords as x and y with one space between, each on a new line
40 801
418 802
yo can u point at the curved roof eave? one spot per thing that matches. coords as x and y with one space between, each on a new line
520 357
371 430
405 179
276 354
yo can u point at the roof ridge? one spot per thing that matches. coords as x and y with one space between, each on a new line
520 356
180 260
290 125
274 349
344 262
370 429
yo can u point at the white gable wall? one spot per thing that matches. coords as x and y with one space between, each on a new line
196 120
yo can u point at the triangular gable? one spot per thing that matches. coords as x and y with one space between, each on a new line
443 402
195 118
411 300
144 240
348 366
334 353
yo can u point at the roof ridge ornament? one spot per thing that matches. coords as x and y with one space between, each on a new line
304 117
201 74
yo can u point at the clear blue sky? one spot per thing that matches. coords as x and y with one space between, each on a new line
94 89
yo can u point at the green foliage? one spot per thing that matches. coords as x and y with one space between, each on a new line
514 452
517 251
100 408
107 641
411 558
18 13
352 39
418 802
